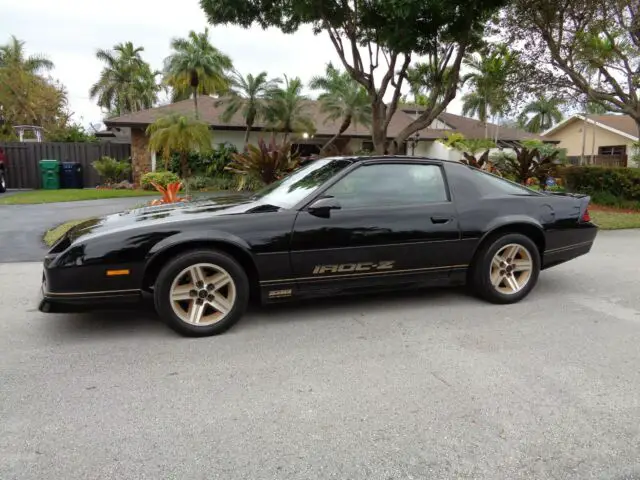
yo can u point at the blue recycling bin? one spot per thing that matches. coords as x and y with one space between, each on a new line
71 175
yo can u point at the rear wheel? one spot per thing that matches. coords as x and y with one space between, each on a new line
506 269
3 182
201 293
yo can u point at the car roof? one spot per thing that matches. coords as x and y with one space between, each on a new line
363 158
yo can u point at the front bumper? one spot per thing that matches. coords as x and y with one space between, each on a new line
48 302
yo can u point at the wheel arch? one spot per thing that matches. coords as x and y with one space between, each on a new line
161 256
527 228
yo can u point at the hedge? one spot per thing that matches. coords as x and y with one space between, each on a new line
620 182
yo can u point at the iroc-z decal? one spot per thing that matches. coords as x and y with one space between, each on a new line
354 267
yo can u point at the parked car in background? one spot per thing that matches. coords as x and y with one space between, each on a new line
3 171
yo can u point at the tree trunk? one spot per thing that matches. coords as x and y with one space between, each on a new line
584 138
246 136
184 164
378 130
343 127
195 101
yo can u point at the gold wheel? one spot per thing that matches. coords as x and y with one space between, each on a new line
511 269
202 294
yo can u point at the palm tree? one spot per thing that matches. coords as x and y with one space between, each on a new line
12 55
248 96
286 108
196 67
421 76
343 98
545 113
127 83
490 72
180 134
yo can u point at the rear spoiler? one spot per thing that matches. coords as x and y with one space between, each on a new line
582 208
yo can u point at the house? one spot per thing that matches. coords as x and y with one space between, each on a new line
355 138
597 139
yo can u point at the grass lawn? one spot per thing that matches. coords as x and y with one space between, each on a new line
608 220
69 195
53 235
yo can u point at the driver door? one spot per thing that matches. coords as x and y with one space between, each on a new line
395 223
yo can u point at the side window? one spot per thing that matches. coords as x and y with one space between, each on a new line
392 184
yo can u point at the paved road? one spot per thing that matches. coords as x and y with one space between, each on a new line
429 385
22 226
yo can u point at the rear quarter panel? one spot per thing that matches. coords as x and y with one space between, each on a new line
480 214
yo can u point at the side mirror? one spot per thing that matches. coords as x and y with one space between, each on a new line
323 206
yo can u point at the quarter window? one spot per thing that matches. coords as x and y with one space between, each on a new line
391 185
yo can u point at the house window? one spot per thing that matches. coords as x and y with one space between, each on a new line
617 150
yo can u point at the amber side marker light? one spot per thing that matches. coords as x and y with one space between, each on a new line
115 273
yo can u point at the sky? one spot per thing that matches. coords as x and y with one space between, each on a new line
69 32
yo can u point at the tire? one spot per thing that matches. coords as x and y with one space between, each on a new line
220 306
3 182
496 283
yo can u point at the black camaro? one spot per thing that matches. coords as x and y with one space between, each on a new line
335 226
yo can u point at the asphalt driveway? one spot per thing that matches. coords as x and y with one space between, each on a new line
22 226
426 385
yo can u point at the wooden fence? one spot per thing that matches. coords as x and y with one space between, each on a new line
600 160
23 159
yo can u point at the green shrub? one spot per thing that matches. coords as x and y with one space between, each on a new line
619 182
211 163
111 170
607 199
161 178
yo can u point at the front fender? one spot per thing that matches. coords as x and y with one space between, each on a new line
197 236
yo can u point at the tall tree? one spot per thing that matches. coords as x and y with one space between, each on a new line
180 134
248 95
287 108
13 56
489 79
127 83
196 67
342 99
567 40
541 114
28 99
376 41
26 96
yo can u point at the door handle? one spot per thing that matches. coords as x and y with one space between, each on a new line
441 219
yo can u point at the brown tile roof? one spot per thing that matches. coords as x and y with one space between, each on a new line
623 123
211 110
472 128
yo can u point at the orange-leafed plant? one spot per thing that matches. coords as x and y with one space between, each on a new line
169 194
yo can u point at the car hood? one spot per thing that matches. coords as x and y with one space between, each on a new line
157 216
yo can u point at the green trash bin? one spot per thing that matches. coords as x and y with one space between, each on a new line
50 174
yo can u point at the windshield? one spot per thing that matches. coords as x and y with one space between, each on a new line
285 193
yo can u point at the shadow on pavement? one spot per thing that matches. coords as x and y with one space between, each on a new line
141 321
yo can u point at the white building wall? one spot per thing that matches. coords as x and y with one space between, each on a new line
436 150
236 137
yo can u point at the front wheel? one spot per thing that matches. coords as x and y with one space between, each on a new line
201 293
3 182
506 269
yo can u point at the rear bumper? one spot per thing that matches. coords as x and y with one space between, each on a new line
49 302
560 255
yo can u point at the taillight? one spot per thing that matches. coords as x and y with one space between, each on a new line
585 216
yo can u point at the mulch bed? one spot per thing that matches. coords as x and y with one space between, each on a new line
603 208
